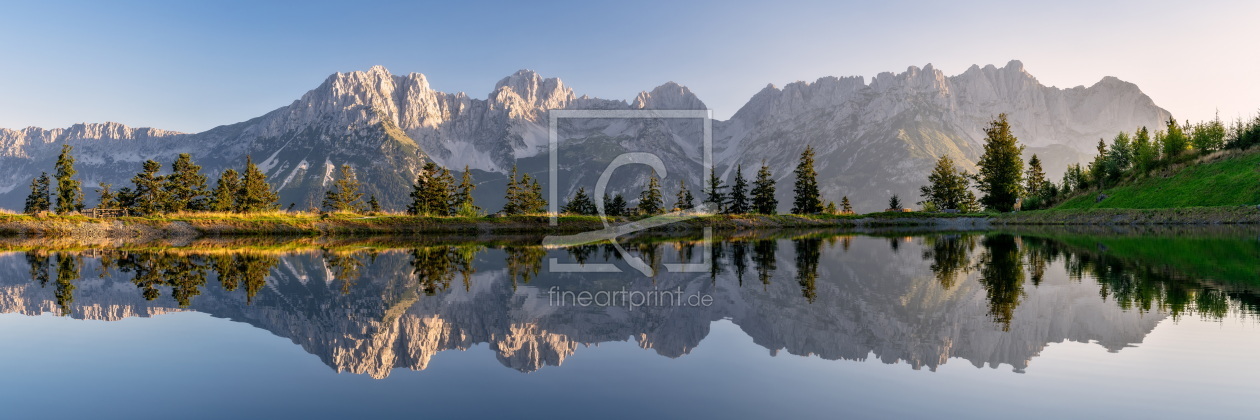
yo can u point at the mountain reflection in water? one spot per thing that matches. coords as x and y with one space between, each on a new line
990 298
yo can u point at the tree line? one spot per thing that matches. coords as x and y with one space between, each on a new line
184 189
1004 182
434 193
740 197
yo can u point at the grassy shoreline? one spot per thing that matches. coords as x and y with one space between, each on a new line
314 225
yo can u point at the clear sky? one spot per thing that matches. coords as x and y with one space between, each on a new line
189 67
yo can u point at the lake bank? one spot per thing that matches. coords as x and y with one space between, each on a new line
83 228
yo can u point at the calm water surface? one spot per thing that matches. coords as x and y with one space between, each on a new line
789 324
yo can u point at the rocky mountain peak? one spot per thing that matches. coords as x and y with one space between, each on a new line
526 95
668 96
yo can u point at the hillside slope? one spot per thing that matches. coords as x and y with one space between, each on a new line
1227 179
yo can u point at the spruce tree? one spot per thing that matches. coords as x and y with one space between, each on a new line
462 200
108 200
419 205
223 198
894 203
739 193
763 200
1175 140
807 199
69 190
149 197
255 193
344 196
845 207
40 199
513 196
650 202
1034 178
684 201
534 201
432 195
1144 151
715 193
947 186
374 206
614 206
580 204
185 187
1001 167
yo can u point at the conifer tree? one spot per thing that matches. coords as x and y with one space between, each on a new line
845 207
108 200
513 196
149 197
715 193
432 194
374 206
185 187
684 201
1001 167
69 190
947 186
1175 140
534 201
763 200
1144 151
830 208
894 203
255 193
807 200
463 197
1209 136
126 198
344 196
40 198
580 204
1034 178
614 206
972 205
650 202
739 193
226 192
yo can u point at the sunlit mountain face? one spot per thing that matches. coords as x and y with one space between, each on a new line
925 301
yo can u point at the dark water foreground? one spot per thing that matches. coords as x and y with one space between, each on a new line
1035 323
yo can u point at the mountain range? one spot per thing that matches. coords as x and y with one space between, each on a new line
873 138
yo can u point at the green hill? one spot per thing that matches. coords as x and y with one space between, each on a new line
1230 179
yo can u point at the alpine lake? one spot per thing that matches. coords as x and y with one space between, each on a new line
1031 322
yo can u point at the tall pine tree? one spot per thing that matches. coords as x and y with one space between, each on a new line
715 193
344 196
650 201
255 193
1034 178
40 198
763 200
580 203
684 201
739 193
1001 167
808 200
69 190
108 200
223 199
947 186
185 186
845 207
149 197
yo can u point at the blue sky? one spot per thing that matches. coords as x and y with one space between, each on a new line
187 66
